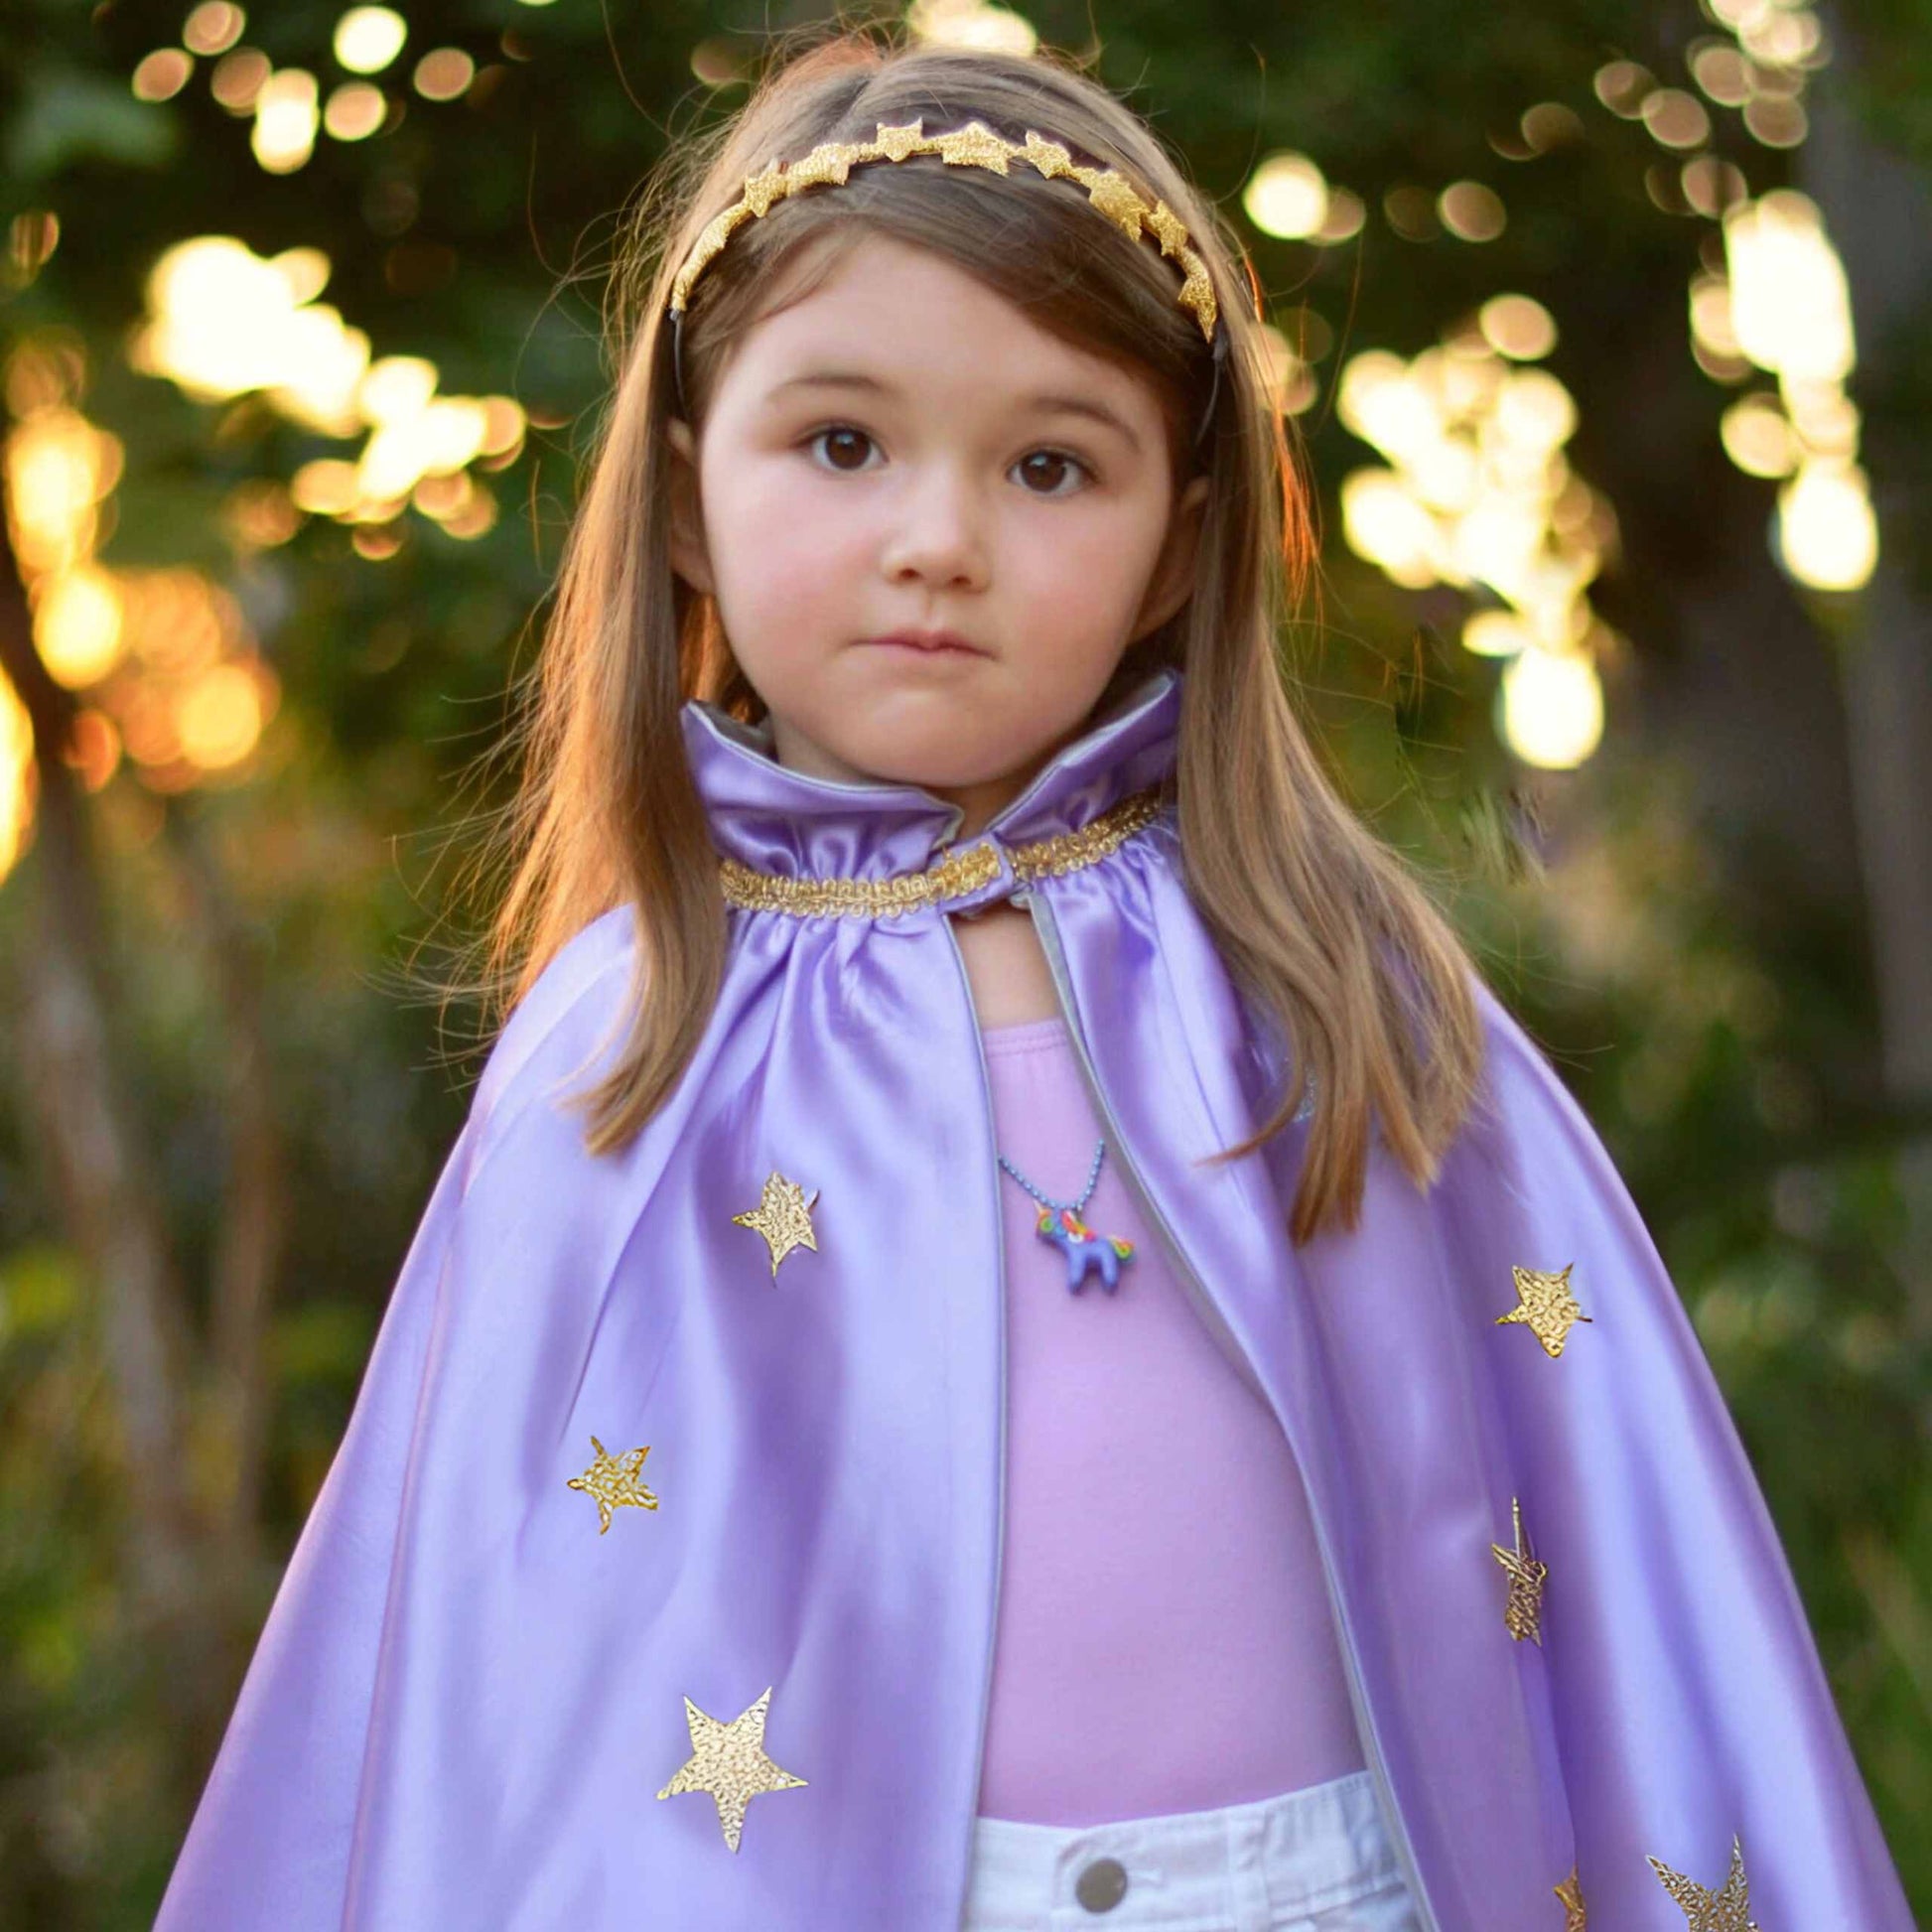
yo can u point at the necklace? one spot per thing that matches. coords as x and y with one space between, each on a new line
1060 1225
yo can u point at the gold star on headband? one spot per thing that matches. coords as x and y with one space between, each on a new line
783 1216
611 1481
1547 1307
1571 1894
975 145
1523 1610
1713 1912
729 1762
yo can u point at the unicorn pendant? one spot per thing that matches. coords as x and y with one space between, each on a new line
1060 1225
1083 1248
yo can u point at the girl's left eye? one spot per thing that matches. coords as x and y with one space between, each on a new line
848 435
1066 459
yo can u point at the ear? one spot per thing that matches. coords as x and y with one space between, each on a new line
689 558
1173 580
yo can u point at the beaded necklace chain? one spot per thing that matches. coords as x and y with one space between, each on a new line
1060 1225
1047 1201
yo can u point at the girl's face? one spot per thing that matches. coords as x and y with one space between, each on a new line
902 449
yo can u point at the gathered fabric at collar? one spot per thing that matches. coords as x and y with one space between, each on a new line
795 842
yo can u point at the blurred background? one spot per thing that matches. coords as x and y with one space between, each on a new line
1604 324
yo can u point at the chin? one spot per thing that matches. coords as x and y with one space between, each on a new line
940 740
937 768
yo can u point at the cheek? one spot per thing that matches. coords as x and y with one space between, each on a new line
784 559
783 572
1081 573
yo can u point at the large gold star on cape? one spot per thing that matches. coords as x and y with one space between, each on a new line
1523 1610
729 1762
783 1217
1713 1912
1547 1307
612 1481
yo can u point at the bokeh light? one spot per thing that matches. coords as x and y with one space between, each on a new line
77 624
222 322
355 111
1723 73
1676 119
1827 532
444 73
367 38
1711 184
1286 195
1479 494
1472 211
1758 437
1551 709
1783 306
1763 69
218 718
961 23
16 775
239 80
1790 303
286 118
1411 212
162 74
1777 120
213 28
1347 213
1550 124
1624 87
58 469
169 665
1517 326
31 237
1291 379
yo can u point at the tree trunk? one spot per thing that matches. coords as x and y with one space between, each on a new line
181 1580
253 1228
1879 210
93 1153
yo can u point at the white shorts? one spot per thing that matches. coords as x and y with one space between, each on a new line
1316 1860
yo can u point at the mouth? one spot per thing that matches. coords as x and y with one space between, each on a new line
927 643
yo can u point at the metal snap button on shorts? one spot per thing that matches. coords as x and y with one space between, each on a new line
1312 1861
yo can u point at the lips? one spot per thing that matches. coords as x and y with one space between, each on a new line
942 642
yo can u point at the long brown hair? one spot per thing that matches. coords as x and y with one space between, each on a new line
1320 923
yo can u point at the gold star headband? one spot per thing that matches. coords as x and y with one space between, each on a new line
973 146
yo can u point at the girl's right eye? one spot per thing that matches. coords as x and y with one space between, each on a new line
842 430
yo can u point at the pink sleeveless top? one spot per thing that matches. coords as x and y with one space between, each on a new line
1164 1641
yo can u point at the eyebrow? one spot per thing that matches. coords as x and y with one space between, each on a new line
1063 405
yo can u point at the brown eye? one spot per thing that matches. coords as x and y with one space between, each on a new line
840 434
1058 463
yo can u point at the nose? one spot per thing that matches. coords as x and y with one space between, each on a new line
937 528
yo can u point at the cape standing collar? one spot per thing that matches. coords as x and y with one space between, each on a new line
813 847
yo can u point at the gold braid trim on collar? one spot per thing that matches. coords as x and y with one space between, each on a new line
954 876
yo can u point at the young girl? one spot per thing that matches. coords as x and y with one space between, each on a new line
1013 1338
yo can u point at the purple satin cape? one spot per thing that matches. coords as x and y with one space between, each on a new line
467 1698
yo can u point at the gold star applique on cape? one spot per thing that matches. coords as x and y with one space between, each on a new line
1713 1912
1547 1307
1523 1610
612 1481
1571 1892
729 1762
784 1218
